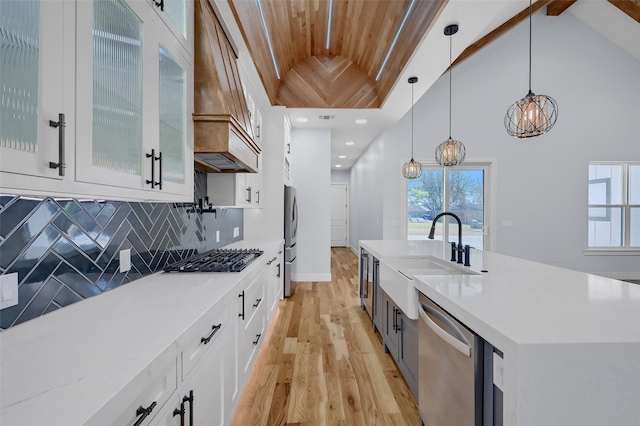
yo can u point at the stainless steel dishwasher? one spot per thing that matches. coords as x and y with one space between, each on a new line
450 369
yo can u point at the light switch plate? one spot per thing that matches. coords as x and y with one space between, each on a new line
125 260
217 236
236 231
8 290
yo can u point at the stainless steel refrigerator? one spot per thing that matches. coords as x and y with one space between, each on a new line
290 231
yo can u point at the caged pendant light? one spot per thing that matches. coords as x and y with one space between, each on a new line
533 115
450 152
412 169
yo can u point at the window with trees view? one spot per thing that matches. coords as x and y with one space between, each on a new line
459 190
614 205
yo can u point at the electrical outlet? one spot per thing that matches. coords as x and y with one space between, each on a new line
8 290
236 231
217 236
125 260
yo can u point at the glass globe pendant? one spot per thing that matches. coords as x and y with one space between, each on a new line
412 169
450 152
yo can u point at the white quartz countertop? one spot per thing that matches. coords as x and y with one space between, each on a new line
570 340
525 302
68 363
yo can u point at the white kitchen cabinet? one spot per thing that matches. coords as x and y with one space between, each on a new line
122 79
34 76
236 189
143 398
287 150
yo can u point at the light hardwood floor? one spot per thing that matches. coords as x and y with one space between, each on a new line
322 364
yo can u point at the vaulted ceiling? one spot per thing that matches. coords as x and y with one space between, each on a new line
345 73
350 68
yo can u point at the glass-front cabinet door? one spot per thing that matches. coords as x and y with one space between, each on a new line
132 99
32 81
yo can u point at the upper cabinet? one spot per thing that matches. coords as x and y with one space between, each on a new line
110 98
223 129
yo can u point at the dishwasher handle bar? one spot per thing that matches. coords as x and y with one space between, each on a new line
461 346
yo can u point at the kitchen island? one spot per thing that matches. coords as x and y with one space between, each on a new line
96 361
570 340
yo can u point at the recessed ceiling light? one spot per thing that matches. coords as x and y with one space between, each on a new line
361 121
337 166
350 143
342 156
302 119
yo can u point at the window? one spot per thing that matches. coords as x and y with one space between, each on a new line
614 206
460 190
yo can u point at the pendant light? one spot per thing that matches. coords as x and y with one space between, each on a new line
412 169
450 152
533 115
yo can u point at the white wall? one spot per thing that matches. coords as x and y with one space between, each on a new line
311 176
541 182
340 176
365 196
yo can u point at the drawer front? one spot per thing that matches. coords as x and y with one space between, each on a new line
143 397
203 335
252 338
255 296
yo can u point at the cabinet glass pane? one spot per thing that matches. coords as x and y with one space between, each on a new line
177 11
117 87
19 53
172 117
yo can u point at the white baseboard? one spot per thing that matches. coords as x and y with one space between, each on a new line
311 277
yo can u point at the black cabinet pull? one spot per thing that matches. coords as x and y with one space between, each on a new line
152 182
241 315
214 330
190 400
179 411
395 314
255 342
159 4
159 183
143 413
278 266
255 305
60 124
258 197
248 194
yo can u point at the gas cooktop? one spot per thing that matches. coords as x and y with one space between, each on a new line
217 260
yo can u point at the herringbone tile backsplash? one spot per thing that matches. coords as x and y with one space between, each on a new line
66 250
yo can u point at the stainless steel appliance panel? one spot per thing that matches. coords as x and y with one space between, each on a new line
290 234
450 369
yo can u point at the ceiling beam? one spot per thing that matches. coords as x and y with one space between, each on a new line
630 7
557 7
501 30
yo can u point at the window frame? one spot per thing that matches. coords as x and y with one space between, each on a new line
489 167
625 205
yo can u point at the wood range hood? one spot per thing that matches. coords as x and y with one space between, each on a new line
223 136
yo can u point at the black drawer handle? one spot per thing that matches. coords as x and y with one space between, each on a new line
159 4
214 330
241 315
60 125
144 413
255 342
255 305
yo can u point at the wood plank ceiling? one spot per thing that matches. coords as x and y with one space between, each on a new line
310 75
344 74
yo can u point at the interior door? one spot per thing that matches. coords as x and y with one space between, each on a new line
338 215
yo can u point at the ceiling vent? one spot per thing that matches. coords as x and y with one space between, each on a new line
326 117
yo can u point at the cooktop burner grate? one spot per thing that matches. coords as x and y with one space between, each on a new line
217 260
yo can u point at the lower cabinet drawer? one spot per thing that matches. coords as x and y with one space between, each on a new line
140 401
202 336
253 337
